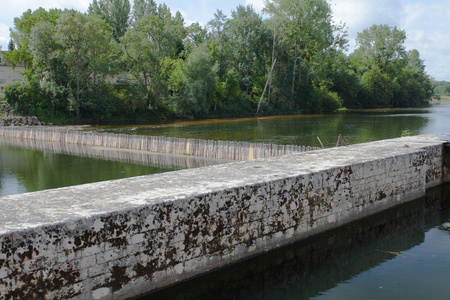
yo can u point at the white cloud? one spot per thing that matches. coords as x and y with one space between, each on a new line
18 7
4 34
427 27
258 5
361 14
425 22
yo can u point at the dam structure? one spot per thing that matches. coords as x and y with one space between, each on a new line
125 238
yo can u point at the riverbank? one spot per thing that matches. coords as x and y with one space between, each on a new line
8 117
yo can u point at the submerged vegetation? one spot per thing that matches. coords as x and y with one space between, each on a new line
142 62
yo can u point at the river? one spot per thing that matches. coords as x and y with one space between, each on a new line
24 170
402 253
354 126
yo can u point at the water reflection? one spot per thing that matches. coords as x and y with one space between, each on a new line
28 165
349 263
355 127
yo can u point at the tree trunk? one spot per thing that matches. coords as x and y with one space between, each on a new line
265 87
293 75
269 93
299 71
78 100
308 71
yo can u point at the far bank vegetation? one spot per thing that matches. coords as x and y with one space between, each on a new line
143 62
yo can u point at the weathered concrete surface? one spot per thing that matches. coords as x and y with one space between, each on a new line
117 239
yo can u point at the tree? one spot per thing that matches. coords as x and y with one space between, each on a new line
383 46
11 45
115 12
153 38
219 43
43 49
250 43
390 76
195 83
306 29
142 8
20 35
85 51
416 88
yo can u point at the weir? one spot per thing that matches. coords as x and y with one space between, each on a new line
227 150
139 157
124 238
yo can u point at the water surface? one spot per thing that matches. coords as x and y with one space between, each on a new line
28 165
354 126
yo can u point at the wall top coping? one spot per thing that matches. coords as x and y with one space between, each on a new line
48 207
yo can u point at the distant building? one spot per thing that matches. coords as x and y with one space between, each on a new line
8 74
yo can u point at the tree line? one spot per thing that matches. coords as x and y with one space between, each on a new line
119 61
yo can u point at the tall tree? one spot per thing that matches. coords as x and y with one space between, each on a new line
219 42
85 51
250 43
196 83
306 28
390 76
153 39
383 46
44 51
142 8
115 12
20 35
11 45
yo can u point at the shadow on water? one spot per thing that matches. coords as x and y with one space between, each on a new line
311 267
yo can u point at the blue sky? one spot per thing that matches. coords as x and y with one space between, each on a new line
426 22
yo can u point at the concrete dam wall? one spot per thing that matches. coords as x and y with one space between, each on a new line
124 238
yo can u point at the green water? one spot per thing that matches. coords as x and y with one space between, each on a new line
25 170
355 127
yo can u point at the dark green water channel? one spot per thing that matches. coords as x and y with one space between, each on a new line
25 170
403 253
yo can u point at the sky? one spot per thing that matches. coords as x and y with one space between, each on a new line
427 22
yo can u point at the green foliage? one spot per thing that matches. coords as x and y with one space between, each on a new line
143 62
441 88
329 101
29 99
115 12
85 53
390 76
378 89
197 85
382 46
406 133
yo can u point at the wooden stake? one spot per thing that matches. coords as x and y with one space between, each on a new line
320 143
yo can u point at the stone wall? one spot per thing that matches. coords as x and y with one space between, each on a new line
20 121
123 238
